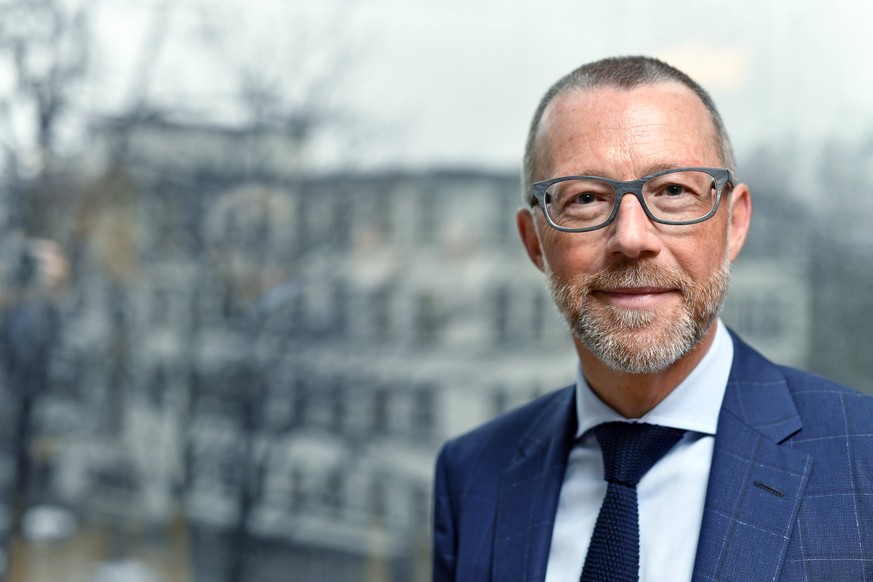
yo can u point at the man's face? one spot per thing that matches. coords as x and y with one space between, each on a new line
637 295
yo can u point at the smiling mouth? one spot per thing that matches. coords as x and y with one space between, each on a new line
636 297
635 290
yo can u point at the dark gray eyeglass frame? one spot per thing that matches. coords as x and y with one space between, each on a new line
722 177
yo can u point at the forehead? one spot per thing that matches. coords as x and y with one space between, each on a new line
622 132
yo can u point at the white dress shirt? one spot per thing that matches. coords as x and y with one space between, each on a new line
670 495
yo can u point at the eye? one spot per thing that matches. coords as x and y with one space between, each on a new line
674 190
585 198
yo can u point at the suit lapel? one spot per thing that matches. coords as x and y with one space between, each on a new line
755 484
529 491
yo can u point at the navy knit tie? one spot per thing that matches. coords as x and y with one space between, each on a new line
629 451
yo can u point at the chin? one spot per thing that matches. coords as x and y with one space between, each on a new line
639 341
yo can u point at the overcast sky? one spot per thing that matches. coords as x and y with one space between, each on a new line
464 77
426 83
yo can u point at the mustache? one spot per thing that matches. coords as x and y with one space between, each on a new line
636 274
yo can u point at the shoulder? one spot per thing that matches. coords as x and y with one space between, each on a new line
477 458
820 402
471 471
511 431
826 406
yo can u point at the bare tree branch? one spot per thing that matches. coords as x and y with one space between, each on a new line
47 44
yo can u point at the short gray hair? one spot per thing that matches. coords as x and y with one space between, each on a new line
621 73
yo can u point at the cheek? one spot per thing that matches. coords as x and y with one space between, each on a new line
568 255
702 255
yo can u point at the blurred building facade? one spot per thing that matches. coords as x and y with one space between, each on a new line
274 359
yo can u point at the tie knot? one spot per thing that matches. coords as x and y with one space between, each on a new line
630 450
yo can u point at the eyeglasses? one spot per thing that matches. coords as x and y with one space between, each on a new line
676 196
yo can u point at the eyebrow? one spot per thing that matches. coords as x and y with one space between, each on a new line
653 169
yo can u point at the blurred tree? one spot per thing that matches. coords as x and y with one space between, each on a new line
840 254
44 54
46 46
278 89
292 80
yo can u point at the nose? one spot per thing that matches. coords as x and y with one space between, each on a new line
631 233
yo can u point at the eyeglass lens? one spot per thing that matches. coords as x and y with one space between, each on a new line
676 197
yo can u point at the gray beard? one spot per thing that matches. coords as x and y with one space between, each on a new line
638 341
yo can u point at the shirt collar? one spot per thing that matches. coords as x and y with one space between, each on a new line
693 405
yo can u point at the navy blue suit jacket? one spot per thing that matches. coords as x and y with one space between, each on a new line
790 493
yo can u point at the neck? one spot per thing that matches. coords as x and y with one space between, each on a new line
633 395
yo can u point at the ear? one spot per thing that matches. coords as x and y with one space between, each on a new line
527 230
740 216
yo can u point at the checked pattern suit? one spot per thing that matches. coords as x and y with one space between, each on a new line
790 494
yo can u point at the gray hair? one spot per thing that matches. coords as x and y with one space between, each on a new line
622 73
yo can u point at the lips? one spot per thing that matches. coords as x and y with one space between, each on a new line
636 290
637 297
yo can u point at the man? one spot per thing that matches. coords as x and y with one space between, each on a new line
761 472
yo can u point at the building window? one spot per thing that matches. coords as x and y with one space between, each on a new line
500 401
381 312
426 209
339 407
298 490
301 402
157 386
298 312
426 318
382 209
423 413
762 317
231 308
505 229
160 306
378 501
539 312
340 306
381 411
332 495
342 214
279 410
501 315
320 406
